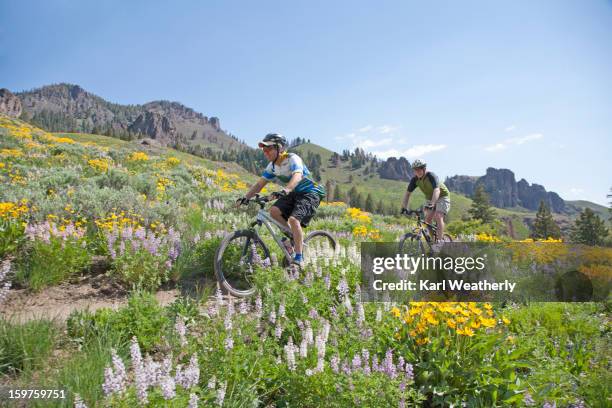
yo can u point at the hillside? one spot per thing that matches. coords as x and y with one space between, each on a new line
391 193
70 108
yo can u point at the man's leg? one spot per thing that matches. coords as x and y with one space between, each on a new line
439 217
298 235
429 216
276 213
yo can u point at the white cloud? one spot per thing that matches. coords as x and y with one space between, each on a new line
525 139
496 147
350 136
412 152
510 128
384 129
513 141
368 143
575 191
365 129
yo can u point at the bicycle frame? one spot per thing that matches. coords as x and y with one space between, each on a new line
263 218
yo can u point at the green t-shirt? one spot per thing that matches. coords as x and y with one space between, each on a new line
427 184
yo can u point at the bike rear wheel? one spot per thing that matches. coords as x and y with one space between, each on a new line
319 244
236 258
408 241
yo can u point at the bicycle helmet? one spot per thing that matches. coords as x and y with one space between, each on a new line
273 139
417 164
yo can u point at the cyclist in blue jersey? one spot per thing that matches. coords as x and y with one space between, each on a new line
297 202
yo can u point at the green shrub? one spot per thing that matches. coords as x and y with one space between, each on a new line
143 317
53 262
26 346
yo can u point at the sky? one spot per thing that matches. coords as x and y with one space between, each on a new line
464 85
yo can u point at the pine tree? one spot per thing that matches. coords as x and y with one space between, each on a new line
481 207
545 226
353 197
380 207
329 190
589 229
369 203
338 194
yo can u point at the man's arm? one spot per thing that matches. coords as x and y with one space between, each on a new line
434 196
406 199
256 188
293 182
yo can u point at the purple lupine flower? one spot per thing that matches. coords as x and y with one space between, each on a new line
191 374
346 368
290 354
304 299
304 348
278 332
243 307
193 401
258 307
375 366
272 317
228 322
221 393
151 371
320 344
334 363
356 363
140 376
308 279
319 272
5 283
549 404
388 366
402 403
320 365
313 313
365 358
528 400
409 370
281 310
212 383
229 343
378 315
348 305
400 364
181 330
114 377
308 334
300 324
78 402
168 387
166 366
343 288
360 314
333 312
327 281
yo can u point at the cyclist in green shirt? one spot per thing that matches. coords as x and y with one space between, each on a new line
436 193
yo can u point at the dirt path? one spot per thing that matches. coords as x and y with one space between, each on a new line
59 301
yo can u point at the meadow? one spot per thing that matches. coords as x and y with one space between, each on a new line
154 218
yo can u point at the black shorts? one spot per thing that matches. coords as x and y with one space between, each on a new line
301 206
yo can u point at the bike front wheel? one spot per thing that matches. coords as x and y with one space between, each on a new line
236 259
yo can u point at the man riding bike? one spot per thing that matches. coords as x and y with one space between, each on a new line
436 193
298 200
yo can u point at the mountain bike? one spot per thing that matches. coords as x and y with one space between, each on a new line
422 234
241 251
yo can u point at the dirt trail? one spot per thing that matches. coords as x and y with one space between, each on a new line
58 302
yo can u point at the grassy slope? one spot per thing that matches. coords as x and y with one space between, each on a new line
390 190
112 142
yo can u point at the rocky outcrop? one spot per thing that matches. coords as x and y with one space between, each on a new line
395 169
154 125
9 104
214 121
70 108
505 192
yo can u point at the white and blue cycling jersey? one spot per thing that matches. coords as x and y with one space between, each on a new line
292 163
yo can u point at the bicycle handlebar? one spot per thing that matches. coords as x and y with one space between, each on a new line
258 200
